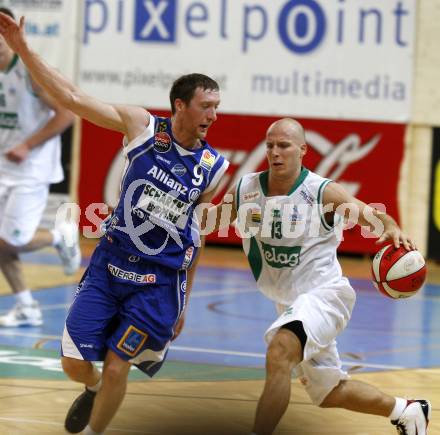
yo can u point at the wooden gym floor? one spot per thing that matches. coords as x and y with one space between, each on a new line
214 375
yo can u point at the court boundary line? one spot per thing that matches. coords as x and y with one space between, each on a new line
221 352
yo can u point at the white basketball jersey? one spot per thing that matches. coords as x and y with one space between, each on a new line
289 245
22 113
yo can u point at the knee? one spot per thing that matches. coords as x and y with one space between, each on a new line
116 372
75 369
7 249
282 354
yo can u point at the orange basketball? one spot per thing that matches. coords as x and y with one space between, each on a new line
398 273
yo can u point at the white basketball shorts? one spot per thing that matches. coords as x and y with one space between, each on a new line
324 313
21 212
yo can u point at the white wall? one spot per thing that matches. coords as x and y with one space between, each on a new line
415 176
426 100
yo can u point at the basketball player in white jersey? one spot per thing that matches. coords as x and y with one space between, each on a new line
290 233
30 127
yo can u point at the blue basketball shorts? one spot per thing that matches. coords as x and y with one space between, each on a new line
127 305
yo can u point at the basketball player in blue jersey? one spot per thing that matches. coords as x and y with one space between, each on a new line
130 302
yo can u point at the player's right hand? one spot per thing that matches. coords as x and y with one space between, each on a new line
12 32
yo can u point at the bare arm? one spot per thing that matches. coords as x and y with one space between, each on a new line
221 215
129 120
55 125
337 199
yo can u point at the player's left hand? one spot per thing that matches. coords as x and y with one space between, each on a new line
17 154
398 238
179 326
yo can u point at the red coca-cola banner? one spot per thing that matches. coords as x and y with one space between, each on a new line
364 156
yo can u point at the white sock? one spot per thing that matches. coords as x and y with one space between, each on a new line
95 388
399 407
24 297
89 431
56 237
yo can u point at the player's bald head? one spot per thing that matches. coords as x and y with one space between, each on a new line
289 127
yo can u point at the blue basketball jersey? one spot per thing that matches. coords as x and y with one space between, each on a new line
159 190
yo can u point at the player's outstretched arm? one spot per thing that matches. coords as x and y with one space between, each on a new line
221 215
60 120
130 120
337 199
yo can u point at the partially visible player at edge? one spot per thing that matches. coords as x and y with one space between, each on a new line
301 274
131 301
30 160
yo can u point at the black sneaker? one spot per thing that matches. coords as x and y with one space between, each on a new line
78 415
414 419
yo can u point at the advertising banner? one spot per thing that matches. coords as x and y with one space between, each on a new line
325 59
434 208
51 28
364 156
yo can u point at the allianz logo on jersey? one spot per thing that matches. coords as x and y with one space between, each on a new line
281 256
162 176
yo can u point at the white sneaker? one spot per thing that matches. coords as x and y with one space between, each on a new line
414 419
68 247
23 315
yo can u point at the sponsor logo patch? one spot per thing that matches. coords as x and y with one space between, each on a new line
162 159
183 286
163 206
110 223
149 278
188 257
295 216
132 341
194 194
162 142
307 197
167 179
281 256
208 159
162 126
179 170
256 215
251 196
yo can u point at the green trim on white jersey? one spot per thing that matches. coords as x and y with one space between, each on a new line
12 63
325 224
291 249
264 181
255 259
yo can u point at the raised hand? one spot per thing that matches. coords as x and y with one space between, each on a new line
12 32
